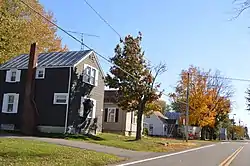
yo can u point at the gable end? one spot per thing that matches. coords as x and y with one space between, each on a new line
93 56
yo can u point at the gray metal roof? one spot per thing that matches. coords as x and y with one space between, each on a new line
52 59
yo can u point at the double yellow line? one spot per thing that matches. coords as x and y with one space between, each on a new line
229 160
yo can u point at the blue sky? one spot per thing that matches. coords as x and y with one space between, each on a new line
179 33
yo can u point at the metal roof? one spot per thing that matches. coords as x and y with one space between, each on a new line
173 115
52 59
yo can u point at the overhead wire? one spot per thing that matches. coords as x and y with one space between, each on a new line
99 15
105 21
76 39
106 59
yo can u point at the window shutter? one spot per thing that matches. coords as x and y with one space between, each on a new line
116 115
96 77
18 75
106 115
7 79
5 103
15 108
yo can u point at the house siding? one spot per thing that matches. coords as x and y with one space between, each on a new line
116 127
158 129
130 127
124 124
55 81
97 92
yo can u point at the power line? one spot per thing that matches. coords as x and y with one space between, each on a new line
105 21
99 15
77 39
230 78
220 77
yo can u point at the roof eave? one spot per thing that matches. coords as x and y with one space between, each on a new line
22 68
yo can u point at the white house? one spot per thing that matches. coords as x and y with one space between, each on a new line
156 123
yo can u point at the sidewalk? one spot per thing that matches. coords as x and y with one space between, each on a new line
90 146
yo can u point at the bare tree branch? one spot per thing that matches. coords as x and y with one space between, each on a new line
239 10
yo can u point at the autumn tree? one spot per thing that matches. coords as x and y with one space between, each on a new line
158 105
151 107
163 105
19 27
238 130
134 78
209 98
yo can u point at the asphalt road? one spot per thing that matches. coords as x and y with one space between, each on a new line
231 153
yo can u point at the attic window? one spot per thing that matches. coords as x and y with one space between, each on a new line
90 75
40 73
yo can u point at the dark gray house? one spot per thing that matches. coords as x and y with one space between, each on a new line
63 81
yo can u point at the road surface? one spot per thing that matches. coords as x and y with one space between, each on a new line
219 154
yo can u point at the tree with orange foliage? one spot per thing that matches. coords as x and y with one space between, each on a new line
20 27
209 98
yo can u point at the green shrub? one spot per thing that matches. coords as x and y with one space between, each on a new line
145 131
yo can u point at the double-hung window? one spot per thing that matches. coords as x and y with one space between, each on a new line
13 75
10 103
111 115
90 75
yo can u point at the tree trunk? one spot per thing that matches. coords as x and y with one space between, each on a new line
203 133
211 133
139 121
138 127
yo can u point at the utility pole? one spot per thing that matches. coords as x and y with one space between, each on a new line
30 114
233 128
82 37
187 108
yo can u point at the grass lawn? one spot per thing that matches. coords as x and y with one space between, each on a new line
152 144
18 152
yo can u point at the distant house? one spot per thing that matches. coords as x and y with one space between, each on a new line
223 134
62 81
159 125
179 130
115 119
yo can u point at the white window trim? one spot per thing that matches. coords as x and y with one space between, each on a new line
8 75
94 108
82 108
9 127
96 76
60 94
37 72
134 117
5 103
109 110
